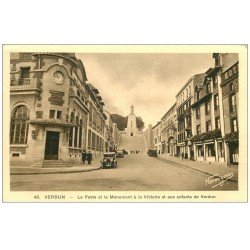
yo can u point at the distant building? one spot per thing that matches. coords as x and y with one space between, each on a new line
169 132
148 135
115 136
157 137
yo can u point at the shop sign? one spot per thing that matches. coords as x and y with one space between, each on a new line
230 73
210 140
198 142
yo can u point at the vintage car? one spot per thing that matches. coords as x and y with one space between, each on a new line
109 160
125 152
152 152
119 154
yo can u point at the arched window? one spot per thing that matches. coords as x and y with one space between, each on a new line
80 134
76 133
72 118
19 125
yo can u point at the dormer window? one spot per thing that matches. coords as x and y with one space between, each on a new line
209 87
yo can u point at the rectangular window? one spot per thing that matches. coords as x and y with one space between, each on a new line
217 123
70 136
208 126
198 113
25 72
198 129
216 102
89 138
209 88
52 114
210 150
59 115
207 108
215 82
93 140
233 102
234 125
197 95
220 149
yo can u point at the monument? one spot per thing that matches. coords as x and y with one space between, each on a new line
131 139
131 129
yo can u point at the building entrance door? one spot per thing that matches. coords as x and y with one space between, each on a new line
51 145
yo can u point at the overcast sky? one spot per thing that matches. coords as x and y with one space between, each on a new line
148 81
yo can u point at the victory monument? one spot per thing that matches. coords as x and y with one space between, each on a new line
131 139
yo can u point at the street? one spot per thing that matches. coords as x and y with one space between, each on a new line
134 173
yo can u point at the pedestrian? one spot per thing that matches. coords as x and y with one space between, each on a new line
89 157
182 155
84 156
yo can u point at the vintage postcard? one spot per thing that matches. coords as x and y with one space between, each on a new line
125 123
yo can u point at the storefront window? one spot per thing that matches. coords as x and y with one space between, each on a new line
210 150
220 149
200 152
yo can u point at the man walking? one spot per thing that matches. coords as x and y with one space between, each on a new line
89 158
84 156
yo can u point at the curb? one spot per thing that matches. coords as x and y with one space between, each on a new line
202 171
58 172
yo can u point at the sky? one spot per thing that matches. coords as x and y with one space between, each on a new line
148 81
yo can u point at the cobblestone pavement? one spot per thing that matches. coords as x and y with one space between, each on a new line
134 173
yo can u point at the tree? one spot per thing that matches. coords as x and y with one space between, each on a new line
139 123
122 121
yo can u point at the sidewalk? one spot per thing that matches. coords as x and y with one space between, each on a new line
210 169
21 170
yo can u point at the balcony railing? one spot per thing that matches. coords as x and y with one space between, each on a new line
24 81
20 82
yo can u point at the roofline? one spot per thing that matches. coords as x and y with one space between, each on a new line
156 125
190 79
168 110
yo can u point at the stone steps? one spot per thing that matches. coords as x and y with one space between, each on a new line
51 164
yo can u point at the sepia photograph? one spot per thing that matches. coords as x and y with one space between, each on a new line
124 121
